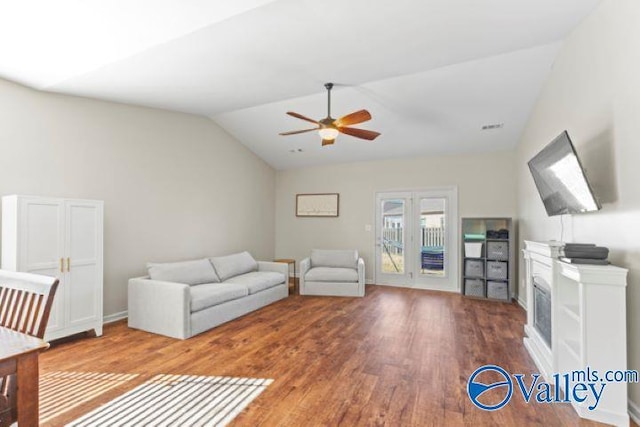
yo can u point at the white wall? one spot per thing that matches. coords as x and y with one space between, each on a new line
175 186
485 188
593 91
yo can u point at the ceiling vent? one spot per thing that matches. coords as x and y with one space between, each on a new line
493 126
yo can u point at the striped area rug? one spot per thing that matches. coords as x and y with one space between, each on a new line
178 400
62 391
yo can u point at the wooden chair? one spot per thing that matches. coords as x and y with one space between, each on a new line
25 305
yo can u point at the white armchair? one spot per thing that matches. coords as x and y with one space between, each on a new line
332 272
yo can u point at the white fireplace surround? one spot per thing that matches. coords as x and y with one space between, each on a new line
588 324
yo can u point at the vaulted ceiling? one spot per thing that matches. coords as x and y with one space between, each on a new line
431 72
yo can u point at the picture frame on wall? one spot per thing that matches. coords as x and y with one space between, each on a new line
318 205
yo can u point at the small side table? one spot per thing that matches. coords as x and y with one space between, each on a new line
290 261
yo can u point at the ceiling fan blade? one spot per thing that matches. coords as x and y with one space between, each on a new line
294 132
328 142
301 117
354 118
360 133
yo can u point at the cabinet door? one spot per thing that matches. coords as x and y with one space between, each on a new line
41 223
83 262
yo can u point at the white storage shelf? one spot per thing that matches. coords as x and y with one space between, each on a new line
572 310
477 250
572 347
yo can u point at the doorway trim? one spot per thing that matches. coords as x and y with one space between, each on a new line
450 282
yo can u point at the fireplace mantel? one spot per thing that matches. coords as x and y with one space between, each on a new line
588 324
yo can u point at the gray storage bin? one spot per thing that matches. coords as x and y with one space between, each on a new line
474 268
497 270
498 290
474 287
498 251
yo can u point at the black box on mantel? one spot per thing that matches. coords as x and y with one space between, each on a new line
585 251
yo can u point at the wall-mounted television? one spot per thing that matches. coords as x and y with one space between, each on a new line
561 180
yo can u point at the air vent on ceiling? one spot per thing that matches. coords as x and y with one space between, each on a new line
493 126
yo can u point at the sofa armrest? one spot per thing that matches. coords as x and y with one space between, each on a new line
361 274
278 267
160 307
305 265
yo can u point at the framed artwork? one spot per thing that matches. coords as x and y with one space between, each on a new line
317 205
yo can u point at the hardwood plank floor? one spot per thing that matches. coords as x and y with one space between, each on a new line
397 357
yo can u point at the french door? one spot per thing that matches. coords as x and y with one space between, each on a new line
416 239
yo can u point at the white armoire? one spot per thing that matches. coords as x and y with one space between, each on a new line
61 238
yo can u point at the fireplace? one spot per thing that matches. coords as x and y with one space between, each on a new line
542 309
576 319
540 270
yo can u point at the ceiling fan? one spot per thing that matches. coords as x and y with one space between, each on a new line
329 128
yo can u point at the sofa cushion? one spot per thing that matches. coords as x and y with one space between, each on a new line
334 258
331 274
210 294
192 272
234 265
258 280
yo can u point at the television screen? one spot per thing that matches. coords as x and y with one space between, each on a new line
560 179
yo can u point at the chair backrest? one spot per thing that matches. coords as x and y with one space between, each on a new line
334 258
25 301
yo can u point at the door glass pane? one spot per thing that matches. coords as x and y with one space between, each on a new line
392 236
432 236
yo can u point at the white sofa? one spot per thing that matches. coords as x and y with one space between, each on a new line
183 299
332 272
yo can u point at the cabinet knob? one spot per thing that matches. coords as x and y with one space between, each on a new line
61 265
68 264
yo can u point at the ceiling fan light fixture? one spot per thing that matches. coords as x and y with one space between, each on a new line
329 128
328 133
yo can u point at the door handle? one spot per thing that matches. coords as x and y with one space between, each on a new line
61 265
68 264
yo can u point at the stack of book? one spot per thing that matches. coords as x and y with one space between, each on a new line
585 253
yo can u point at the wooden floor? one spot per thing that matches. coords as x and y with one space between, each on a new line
397 357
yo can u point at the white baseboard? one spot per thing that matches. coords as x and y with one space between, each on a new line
387 285
634 412
110 318
522 304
